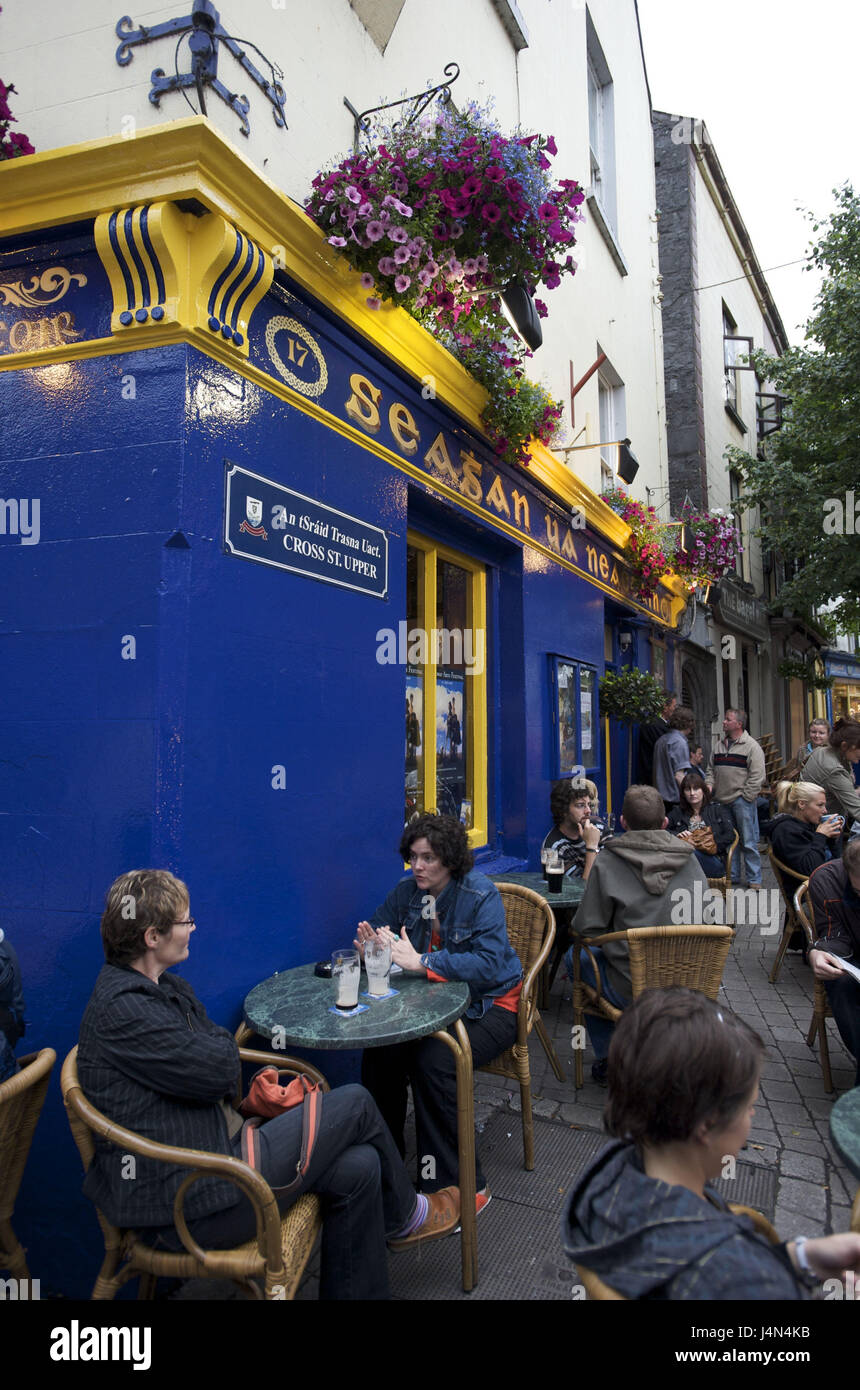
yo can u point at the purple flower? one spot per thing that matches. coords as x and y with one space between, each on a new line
472 186
490 213
402 282
337 241
495 174
413 153
386 266
470 267
373 302
374 231
425 278
401 255
398 234
365 209
366 281
432 269
353 194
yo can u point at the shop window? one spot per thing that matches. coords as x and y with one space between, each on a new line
446 685
574 711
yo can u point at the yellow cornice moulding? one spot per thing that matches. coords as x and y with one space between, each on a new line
190 159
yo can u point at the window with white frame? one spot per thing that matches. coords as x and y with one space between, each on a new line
613 421
601 127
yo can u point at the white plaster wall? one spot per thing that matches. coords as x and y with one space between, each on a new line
61 58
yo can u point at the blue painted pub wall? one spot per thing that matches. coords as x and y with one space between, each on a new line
168 758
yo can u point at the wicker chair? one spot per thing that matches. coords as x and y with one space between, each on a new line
598 1291
277 1255
722 884
820 1003
791 924
21 1099
531 932
693 956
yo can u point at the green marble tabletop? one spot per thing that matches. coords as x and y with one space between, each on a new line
299 1003
845 1128
572 889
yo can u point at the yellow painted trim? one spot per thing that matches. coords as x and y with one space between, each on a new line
158 335
190 159
608 764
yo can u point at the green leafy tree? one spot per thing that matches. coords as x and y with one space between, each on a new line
631 697
807 482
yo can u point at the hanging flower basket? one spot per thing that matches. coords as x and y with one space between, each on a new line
711 549
439 218
645 550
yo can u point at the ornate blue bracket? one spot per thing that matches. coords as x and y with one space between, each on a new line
420 102
204 24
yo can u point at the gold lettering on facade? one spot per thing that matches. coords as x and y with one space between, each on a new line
496 497
591 554
402 425
521 510
613 578
551 531
363 404
471 483
34 335
438 457
604 567
568 549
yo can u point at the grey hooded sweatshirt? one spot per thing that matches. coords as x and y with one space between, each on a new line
649 1239
632 885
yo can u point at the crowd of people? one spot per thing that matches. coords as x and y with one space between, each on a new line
642 1217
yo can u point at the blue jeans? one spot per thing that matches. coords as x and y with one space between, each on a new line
599 1030
745 816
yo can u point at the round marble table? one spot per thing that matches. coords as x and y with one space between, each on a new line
294 1005
845 1133
572 889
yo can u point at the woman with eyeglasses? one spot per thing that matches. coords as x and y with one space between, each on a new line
447 922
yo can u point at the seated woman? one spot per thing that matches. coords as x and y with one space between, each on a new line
153 1061
832 767
705 823
819 735
448 923
800 838
577 834
642 1218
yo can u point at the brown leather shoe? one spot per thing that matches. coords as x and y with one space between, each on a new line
442 1216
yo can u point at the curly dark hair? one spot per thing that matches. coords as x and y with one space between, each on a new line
652 1099
561 795
846 732
447 839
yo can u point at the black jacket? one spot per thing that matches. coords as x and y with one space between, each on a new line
798 845
717 816
837 910
648 736
151 1060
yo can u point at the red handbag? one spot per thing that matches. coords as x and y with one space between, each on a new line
267 1098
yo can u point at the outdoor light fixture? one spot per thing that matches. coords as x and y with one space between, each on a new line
625 641
521 314
628 464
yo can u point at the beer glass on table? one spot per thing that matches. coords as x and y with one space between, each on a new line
377 963
346 971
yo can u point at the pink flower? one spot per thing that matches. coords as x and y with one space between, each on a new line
365 210
495 174
541 308
401 255
399 234
472 186
374 231
373 302
387 266
366 281
402 282
432 269
337 241
353 194
490 213
470 266
550 146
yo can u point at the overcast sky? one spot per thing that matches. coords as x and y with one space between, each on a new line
776 83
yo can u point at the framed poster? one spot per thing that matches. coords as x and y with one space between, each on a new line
574 714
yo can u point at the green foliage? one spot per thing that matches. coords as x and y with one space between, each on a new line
808 672
631 696
814 460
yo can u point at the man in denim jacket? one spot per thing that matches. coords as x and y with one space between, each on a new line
448 923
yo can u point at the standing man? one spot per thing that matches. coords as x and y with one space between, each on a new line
672 757
648 736
737 780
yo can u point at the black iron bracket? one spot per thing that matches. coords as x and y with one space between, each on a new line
420 102
204 25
